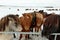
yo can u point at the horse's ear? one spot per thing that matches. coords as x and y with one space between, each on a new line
24 14
8 18
41 11
17 15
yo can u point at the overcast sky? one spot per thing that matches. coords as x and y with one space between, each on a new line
30 2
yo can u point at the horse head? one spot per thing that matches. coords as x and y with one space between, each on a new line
10 23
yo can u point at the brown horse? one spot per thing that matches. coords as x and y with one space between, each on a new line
25 21
51 25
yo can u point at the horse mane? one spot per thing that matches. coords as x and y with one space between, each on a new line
3 23
15 17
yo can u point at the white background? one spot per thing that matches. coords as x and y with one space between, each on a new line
30 2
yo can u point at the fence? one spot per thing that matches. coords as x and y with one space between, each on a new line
39 33
55 35
31 33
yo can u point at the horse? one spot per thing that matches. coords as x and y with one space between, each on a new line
51 25
9 23
25 21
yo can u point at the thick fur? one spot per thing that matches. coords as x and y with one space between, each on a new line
51 25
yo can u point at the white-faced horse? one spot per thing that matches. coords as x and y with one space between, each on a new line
9 23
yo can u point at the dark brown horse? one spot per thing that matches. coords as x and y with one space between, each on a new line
51 25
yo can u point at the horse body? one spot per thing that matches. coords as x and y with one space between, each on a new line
51 25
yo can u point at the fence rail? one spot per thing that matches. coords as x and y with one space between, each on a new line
31 33
55 35
23 32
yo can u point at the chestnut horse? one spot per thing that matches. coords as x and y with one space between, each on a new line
25 21
51 25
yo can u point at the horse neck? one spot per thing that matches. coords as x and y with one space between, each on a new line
6 29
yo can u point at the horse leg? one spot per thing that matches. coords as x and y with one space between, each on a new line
37 29
26 37
58 37
14 35
31 29
51 37
20 37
